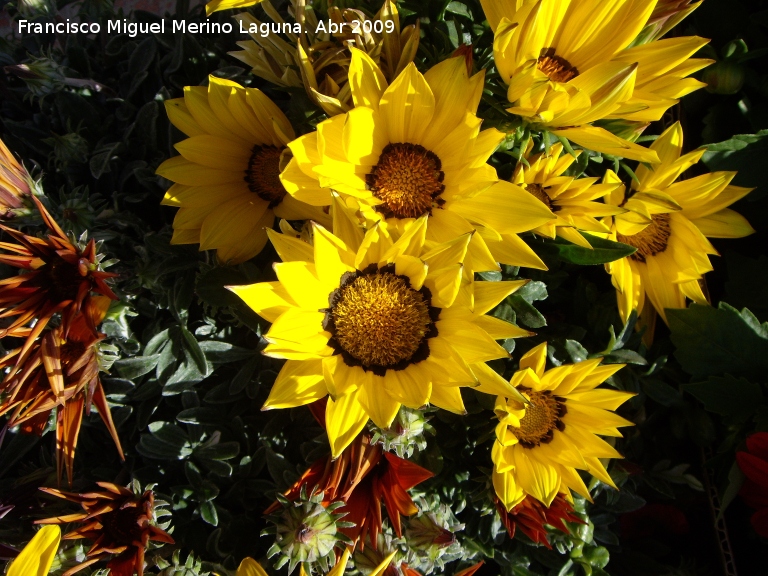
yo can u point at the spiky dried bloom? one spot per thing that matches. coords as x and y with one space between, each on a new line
14 182
58 277
361 478
120 522
532 517
61 373
319 60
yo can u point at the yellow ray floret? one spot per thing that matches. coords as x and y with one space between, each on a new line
375 323
571 63
543 441
669 221
414 148
574 201
227 185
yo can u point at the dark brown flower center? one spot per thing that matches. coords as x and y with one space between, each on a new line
537 191
408 179
123 526
542 417
71 351
378 321
61 279
557 68
263 174
651 240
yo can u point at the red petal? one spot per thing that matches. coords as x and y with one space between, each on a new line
755 468
757 444
407 473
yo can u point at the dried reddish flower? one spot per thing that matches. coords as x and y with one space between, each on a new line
531 516
60 373
754 491
58 277
120 524
362 477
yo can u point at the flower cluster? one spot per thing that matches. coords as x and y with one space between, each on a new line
399 228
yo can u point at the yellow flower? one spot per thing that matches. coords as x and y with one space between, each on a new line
414 148
37 556
573 200
375 323
317 57
570 63
542 443
227 182
669 222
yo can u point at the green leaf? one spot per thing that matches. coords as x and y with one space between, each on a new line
99 163
603 251
208 513
661 392
735 481
719 341
734 398
526 313
132 368
744 153
195 349
201 416
221 352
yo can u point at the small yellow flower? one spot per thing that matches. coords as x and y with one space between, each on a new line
227 184
669 222
571 63
375 323
572 200
542 442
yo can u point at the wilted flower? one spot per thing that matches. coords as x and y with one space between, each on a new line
59 277
119 522
319 58
361 478
61 373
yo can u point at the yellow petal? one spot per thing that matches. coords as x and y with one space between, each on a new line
267 299
345 418
299 382
249 567
37 556
216 5
407 106
366 81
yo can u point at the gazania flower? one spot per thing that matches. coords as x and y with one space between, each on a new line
59 277
62 374
569 64
37 557
573 200
669 222
14 182
227 177
120 524
375 324
414 148
363 477
754 491
540 444
318 58
533 517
